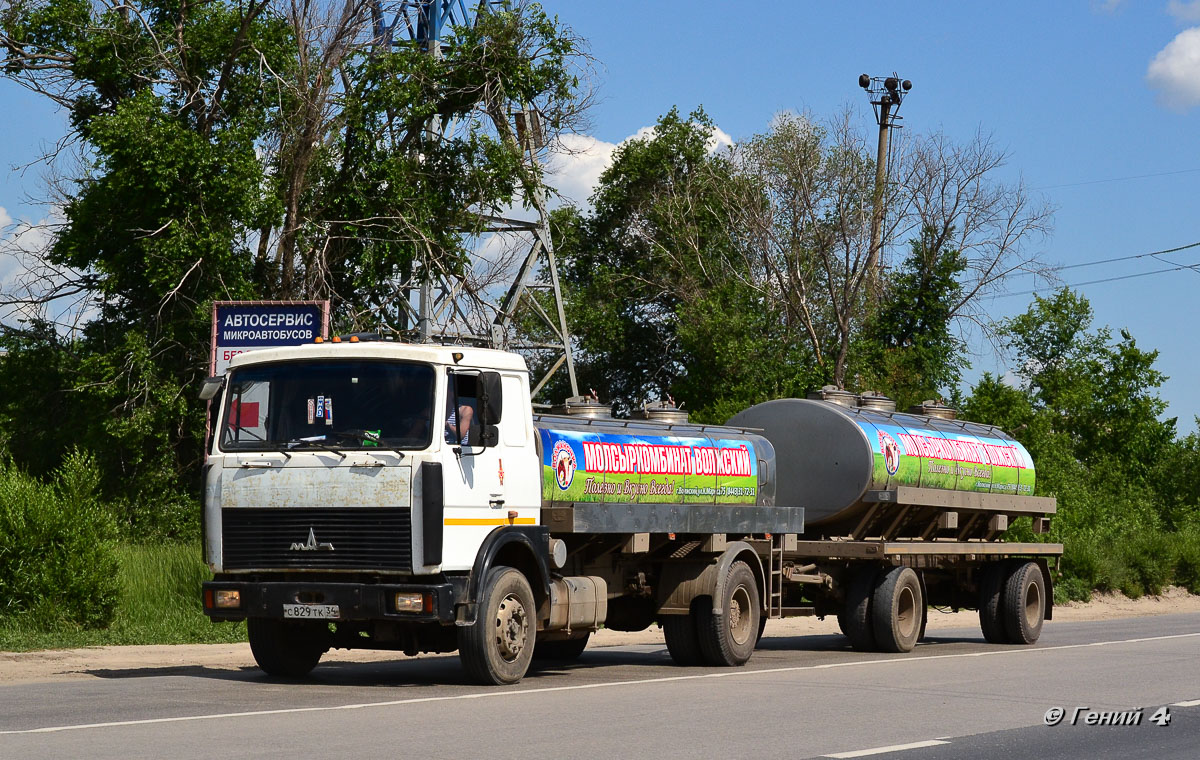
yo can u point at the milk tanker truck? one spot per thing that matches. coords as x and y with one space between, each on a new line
363 493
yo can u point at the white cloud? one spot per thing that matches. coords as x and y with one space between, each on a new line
1175 71
575 167
5 219
1186 12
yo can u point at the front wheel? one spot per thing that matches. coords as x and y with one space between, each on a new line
497 649
284 648
728 639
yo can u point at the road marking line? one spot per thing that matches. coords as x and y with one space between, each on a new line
729 673
892 748
1189 703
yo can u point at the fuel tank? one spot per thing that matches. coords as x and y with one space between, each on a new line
598 459
829 455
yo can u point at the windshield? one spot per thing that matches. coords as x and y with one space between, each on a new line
340 405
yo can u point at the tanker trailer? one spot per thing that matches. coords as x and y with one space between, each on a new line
903 511
833 457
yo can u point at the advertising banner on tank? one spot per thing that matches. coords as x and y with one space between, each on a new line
952 461
586 466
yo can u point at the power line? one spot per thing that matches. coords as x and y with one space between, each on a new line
1130 258
1117 179
1192 267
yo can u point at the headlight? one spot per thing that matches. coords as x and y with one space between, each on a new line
411 601
227 599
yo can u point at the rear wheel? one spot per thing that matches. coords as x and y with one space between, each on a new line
855 618
729 639
498 648
991 585
683 640
286 648
896 610
1023 606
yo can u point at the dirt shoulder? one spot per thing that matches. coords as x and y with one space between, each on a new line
102 662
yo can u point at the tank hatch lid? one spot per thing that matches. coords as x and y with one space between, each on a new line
931 408
663 410
877 401
834 395
584 406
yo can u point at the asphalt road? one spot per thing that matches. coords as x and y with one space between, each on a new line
809 696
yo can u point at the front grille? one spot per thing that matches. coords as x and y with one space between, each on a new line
362 539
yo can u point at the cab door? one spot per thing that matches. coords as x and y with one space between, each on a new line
473 462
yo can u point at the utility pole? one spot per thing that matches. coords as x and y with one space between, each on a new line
886 94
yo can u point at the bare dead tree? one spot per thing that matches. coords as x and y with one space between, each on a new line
951 193
804 212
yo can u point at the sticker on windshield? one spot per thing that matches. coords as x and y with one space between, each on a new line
320 407
329 411
312 405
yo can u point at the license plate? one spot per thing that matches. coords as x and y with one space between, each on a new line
317 611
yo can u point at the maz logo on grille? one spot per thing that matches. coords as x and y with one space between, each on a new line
311 544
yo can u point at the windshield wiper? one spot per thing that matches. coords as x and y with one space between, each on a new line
316 442
370 440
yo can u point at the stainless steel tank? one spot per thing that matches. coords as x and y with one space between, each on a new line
830 455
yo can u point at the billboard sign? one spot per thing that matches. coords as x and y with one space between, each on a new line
240 326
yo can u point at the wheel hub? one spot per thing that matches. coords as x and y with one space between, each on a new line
739 615
512 627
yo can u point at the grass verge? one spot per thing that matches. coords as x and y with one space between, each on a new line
159 604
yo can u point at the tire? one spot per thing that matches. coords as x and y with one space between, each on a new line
896 610
683 640
286 649
728 639
855 619
498 648
561 650
991 585
1023 606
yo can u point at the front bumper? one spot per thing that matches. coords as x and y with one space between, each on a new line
355 601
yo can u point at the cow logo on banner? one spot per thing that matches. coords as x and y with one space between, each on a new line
563 462
891 452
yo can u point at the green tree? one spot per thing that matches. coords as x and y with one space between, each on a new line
659 296
1087 408
237 150
908 348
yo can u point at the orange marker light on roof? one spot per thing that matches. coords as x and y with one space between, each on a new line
336 339
353 338
318 339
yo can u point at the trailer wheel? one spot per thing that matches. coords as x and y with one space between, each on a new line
561 650
1023 607
991 585
896 610
682 635
855 619
498 648
286 649
729 639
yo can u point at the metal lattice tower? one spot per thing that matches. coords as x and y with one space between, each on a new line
443 302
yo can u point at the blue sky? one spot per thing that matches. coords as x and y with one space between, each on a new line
1072 90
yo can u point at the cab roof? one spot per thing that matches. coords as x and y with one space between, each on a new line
484 358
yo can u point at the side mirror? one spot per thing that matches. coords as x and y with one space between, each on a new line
491 398
211 387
